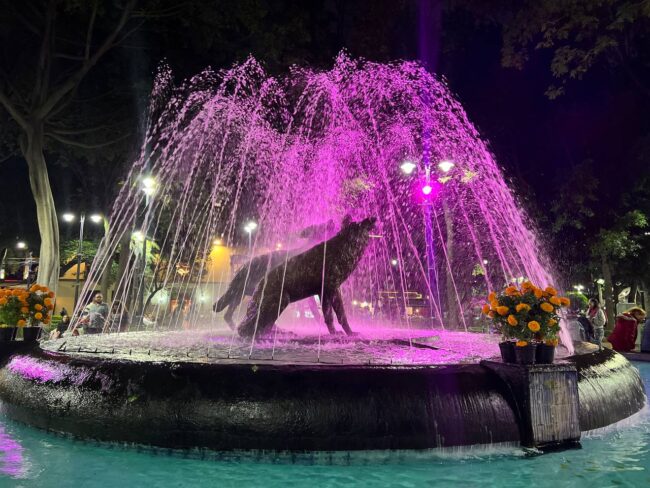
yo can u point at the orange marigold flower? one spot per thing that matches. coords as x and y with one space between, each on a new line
50 307
50 294
512 320
522 306
533 325
538 293
486 309
547 307
550 290
38 315
24 309
494 304
555 301
527 285
38 307
552 322
21 323
512 290
502 310
34 288
521 343
491 314
492 296
3 301
565 302
551 342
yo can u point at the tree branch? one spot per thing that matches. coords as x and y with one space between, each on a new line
89 32
69 56
40 86
83 145
76 132
30 26
15 114
71 83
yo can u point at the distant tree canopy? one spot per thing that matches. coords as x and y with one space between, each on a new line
581 35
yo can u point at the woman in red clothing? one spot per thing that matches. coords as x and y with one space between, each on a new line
623 338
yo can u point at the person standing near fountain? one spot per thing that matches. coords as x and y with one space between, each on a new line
94 315
597 319
623 338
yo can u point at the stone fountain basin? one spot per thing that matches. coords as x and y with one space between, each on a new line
347 401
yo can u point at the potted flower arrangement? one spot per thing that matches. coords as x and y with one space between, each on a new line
11 302
26 309
526 317
38 311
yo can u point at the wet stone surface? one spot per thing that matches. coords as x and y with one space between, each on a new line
371 346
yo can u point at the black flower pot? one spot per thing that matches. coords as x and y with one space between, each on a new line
7 334
526 354
507 349
544 354
30 334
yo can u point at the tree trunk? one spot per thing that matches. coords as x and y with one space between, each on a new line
610 304
48 225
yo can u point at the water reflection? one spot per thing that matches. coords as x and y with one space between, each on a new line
11 455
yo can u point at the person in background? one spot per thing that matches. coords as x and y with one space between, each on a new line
61 327
94 315
623 337
645 338
597 319
119 317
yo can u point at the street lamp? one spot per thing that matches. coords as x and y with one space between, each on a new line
408 167
149 185
249 228
69 218
21 245
446 165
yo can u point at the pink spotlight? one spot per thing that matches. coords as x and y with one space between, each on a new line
426 189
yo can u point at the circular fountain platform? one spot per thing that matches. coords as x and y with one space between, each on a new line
207 390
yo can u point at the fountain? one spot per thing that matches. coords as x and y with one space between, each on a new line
237 165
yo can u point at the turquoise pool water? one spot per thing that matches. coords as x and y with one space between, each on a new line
616 456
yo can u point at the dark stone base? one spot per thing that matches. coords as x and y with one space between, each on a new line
547 402
263 406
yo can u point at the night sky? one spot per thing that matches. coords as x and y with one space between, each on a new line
536 140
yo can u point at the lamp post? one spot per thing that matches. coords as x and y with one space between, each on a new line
445 166
69 218
249 228
148 187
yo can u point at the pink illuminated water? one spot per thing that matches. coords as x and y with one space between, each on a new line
240 145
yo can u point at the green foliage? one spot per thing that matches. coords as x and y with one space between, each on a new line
580 34
68 250
622 240
578 301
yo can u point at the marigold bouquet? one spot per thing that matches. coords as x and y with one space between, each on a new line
22 307
526 313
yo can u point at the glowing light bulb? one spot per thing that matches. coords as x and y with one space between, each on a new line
68 217
393 262
426 189
217 242
96 218
21 245
446 165
408 167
